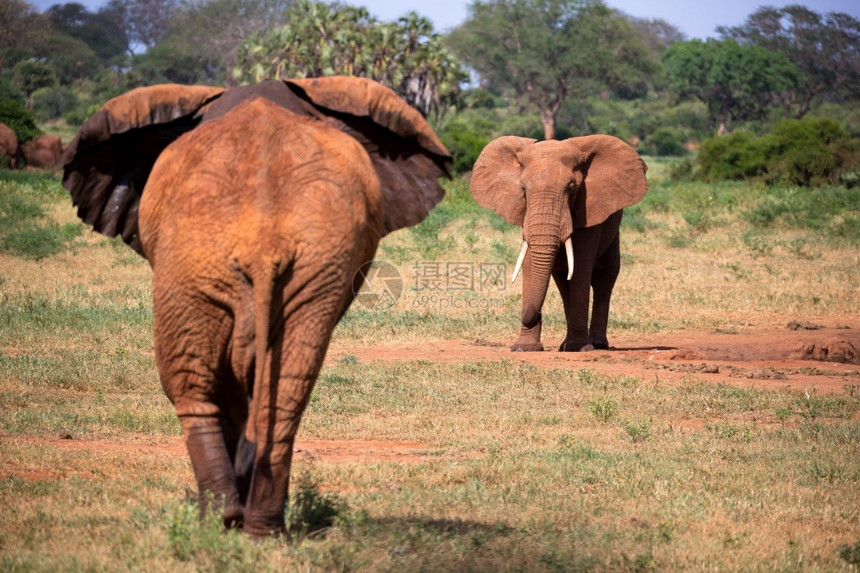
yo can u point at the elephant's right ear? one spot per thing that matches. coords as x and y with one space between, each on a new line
106 165
408 157
496 178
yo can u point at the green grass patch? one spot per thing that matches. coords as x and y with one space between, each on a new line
25 229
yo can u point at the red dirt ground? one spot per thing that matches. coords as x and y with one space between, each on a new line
800 355
823 358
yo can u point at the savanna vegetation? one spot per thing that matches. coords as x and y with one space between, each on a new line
540 68
510 466
752 219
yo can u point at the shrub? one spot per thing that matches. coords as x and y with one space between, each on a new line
53 102
668 142
732 156
20 119
310 510
9 91
802 152
807 152
464 143
527 125
30 75
481 98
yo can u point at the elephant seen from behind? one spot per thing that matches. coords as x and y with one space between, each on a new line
257 208
568 197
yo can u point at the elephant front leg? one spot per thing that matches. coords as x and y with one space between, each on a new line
529 338
573 341
576 294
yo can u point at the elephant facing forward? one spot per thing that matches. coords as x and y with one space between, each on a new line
256 208
568 197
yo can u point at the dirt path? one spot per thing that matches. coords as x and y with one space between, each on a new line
800 355
823 358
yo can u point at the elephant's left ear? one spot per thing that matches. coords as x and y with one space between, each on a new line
408 157
108 162
614 179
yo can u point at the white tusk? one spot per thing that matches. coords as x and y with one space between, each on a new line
520 261
568 249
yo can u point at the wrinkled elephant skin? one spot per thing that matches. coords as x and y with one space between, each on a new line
568 196
258 207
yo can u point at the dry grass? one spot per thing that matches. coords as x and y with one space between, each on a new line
512 467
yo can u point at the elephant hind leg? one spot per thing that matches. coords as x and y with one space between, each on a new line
210 459
243 466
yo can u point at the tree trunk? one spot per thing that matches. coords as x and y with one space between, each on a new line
547 118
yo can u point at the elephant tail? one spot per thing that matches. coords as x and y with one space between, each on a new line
263 392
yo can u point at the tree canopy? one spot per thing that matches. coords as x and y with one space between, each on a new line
735 82
545 51
536 68
320 39
825 48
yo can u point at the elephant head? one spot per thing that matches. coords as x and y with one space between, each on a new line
551 189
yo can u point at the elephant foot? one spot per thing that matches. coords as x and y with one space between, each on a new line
261 526
233 516
600 344
570 346
527 347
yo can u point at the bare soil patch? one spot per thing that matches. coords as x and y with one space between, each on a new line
311 450
825 358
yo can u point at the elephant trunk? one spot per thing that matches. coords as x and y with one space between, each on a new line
543 236
542 260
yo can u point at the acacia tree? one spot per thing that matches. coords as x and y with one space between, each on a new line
321 40
20 24
545 51
145 22
102 31
735 82
825 48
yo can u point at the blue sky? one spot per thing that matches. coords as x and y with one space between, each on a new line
695 18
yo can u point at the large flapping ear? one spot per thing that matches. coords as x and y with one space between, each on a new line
106 165
614 179
408 157
496 178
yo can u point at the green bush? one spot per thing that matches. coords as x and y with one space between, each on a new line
667 142
527 125
481 98
30 75
12 55
733 156
807 152
20 119
9 91
803 152
464 143
53 102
